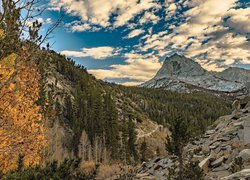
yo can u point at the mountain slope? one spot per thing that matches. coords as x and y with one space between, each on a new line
181 74
222 152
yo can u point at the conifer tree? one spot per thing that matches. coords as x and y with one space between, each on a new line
180 135
132 139
143 150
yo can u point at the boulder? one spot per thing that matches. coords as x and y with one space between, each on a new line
144 176
244 174
205 149
223 167
224 147
217 150
204 164
213 156
218 162
239 125
245 154
210 132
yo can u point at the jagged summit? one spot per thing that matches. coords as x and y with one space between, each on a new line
178 65
182 74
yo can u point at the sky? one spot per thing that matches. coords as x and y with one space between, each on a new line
126 41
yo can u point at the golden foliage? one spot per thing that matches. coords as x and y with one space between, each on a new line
21 122
1 33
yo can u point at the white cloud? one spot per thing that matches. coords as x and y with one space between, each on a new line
134 33
172 7
239 20
99 12
96 53
78 26
149 17
139 67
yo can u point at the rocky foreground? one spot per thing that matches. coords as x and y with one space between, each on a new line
223 152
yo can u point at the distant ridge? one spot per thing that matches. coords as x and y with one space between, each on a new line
182 74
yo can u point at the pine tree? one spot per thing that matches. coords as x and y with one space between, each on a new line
143 150
132 139
180 136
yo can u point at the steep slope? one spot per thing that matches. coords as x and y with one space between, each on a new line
222 152
92 119
87 108
181 74
99 122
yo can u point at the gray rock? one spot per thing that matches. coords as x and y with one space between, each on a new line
224 147
213 147
223 139
218 162
223 167
244 174
239 125
245 154
210 132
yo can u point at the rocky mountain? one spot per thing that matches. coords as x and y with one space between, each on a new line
222 152
181 74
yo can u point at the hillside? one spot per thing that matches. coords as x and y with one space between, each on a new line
222 152
52 110
135 104
88 118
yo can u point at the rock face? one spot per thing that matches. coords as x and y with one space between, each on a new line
181 74
217 151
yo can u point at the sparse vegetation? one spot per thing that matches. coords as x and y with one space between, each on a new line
68 169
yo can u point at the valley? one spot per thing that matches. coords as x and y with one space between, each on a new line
111 101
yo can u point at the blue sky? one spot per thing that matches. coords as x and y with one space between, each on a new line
125 41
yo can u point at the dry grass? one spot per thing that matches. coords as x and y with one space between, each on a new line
112 171
88 166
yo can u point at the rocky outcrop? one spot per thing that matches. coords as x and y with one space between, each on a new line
227 140
244 174
181 74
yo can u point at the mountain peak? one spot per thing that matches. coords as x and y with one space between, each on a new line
182 74
178 65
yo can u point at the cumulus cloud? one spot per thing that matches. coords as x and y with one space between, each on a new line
78 26
99 12
134 33
138 67
239 20
96 53
149 17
